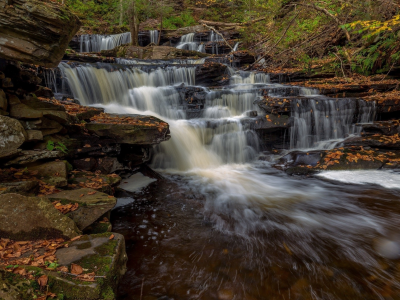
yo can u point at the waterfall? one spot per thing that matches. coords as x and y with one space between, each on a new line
154 34
98 42
92 85
187 43
236 47
322 122
243 77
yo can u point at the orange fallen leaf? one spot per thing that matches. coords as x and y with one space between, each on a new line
92 193
112 236
42 280
76 269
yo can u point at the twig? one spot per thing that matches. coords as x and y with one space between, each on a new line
141 289
80 275
384 77
341 64
276 44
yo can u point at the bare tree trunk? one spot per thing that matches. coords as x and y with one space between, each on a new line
133 24
121 15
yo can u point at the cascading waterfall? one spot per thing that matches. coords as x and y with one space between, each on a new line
187 43
154 34
221 138
98 42
322 122
92 85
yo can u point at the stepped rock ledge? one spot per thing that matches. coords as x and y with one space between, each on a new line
34 31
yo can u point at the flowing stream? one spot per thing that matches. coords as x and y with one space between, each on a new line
225 225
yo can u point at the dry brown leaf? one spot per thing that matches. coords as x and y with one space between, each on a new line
112 236
76 269
42 280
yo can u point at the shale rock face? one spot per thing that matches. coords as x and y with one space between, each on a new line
35 31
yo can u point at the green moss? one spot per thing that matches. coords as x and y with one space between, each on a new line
82 246
108 293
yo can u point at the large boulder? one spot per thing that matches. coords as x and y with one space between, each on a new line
12 136
40 219
35 31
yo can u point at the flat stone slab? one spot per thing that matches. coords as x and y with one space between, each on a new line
31 156
18 187
130 129
32 218
92 205
55 172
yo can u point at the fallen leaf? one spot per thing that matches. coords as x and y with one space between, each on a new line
42 280
76 269
111 236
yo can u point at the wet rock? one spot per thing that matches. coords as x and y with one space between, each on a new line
30 28
21 111
41 219
7 83
12 136
100 254
44 92
14 287
34 136
210 73
19 187
45 125
3 101
148 131
92 205
54 173
31 156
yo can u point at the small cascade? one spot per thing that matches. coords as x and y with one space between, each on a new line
98 42
92 85
154 35
187 43
236 47
215 38
243 77
322 122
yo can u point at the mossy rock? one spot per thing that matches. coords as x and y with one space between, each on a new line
94 253
16 287
93 205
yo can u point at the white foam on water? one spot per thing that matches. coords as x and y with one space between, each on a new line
386 179
136 182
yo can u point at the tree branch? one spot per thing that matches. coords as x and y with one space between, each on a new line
216 31
326 12
276 44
